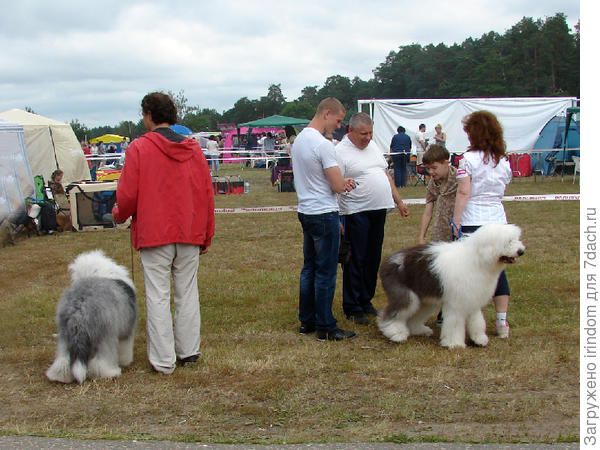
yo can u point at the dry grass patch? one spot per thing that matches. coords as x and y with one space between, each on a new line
260 381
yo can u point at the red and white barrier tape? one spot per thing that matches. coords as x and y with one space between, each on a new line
410 201
542 197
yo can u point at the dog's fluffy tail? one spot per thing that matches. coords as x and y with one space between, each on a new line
72 353
78 343
79 371
79 348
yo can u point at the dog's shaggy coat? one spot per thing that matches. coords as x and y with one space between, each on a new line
96 319
460 277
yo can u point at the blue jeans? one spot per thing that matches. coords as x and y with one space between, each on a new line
400 161
214 161
318 275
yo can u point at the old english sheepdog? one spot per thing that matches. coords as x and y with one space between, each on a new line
460 277
96 319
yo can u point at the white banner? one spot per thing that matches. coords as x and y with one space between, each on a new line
522 119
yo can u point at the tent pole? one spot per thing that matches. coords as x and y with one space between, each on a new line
53 147
568 125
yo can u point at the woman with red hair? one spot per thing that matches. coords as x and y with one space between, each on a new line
482 176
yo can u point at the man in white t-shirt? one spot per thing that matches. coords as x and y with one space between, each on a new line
261 141
364 212
318 180
212 151
422 140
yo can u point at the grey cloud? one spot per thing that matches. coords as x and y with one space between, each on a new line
94 60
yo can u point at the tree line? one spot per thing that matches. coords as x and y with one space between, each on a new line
534 58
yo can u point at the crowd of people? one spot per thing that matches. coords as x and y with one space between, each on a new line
344 190
401 149
257 149
104 155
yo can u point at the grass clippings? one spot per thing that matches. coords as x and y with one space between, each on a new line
260 381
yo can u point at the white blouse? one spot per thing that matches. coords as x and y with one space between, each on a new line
488 182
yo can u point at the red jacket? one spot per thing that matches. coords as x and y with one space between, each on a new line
166 188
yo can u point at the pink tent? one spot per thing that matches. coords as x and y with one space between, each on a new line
231 153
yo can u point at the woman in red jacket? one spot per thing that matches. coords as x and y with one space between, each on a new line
166 187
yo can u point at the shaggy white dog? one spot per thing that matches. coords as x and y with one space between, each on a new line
96 319
460 277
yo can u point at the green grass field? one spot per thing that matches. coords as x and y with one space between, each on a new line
259 381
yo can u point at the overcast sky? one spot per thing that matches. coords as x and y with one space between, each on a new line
94 60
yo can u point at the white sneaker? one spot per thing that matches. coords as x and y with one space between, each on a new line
502 331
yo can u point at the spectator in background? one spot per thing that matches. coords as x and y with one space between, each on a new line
439 136
111 149
86 151
93 161
269 143
124 146
166 188
63 213
400 149
422 141
101 153
212 151
251 147
261 141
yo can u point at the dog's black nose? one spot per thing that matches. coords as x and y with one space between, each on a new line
521 252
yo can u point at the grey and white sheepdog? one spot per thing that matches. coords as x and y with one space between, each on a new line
458 277
96 319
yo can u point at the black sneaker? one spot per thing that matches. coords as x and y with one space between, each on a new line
307 328
334 335
189 361
358 318
370 310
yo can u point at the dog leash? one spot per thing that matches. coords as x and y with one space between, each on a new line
130 248
131 253
456 228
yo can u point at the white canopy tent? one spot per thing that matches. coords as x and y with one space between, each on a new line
16 180
50 144
522 118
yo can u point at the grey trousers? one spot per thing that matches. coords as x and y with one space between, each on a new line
168 341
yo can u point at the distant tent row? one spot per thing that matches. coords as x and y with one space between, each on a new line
108 139
50 144
274 121
32 145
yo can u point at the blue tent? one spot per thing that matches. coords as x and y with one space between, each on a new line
181 129
553 136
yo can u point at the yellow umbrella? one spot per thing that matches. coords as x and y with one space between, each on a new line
108 139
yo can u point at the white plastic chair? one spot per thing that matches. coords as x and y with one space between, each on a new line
576 168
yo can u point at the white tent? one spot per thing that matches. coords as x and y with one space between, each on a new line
522 118
16 180
50 144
